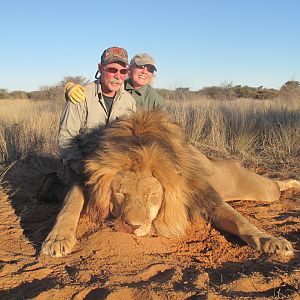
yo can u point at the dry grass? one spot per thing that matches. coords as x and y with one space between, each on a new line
28 139
28 129
254 131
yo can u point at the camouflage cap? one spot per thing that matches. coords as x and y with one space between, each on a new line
114 54
143 59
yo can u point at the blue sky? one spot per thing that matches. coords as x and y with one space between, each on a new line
195 43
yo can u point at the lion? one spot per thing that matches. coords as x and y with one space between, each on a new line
143 171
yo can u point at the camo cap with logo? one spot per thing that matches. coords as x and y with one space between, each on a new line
143 59
114 54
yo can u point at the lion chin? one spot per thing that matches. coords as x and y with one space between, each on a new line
142 170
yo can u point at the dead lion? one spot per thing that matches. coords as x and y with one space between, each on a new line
142 170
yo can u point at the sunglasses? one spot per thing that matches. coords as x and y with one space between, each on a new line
150 68
115 70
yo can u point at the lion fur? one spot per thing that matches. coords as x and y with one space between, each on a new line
149 141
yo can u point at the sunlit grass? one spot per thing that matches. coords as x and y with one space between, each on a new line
255 132
252 131
28 128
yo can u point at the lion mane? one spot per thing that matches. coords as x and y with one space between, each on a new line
149 141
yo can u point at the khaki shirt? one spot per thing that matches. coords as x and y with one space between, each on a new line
78 119
146 97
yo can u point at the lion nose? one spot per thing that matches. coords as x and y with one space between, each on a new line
134 227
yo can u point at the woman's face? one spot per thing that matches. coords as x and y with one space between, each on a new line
141 75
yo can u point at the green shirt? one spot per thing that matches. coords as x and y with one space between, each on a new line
108 102
146 97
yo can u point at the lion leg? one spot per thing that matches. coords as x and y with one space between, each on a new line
228 219
62 238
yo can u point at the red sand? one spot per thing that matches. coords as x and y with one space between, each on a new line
110 264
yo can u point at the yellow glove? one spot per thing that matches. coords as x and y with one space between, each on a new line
75 92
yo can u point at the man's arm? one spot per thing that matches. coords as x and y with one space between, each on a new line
71 122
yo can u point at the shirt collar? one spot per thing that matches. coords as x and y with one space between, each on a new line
129 87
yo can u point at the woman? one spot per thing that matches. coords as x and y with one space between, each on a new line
141 71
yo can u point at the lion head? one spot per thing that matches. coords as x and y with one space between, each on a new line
136 198
142 173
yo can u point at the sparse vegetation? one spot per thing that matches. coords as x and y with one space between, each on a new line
28 134
257 132
45 92
226 91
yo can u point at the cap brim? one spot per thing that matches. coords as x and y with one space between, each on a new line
114 60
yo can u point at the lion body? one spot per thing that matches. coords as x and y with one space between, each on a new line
234 182
142 170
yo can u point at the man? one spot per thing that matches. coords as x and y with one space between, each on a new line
105 100
141 75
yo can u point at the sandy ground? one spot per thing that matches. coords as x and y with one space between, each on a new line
110 264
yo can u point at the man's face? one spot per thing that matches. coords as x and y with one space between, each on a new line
112 76
141 75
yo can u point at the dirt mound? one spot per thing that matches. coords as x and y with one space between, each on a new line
110 264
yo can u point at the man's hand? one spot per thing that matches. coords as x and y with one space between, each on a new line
74 92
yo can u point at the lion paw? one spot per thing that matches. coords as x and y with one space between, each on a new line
58 245
277 245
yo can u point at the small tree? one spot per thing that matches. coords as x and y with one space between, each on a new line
3 93
76 79
52 92
290 90
18 95
56 91
291 84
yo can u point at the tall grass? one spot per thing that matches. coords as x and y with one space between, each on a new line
255 132
28 129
